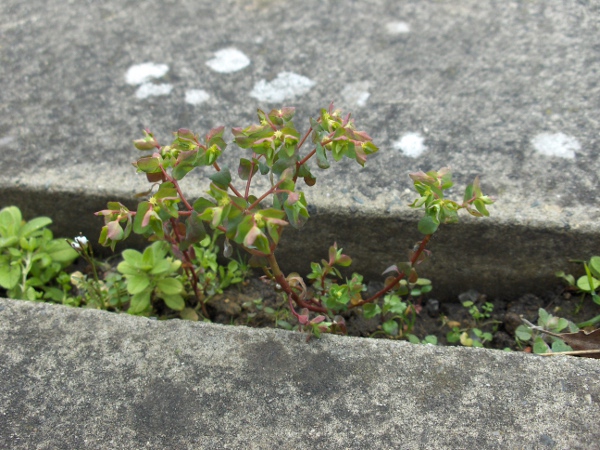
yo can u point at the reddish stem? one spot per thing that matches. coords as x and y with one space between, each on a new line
188 267
231 186
281 280
265 195
176 184
399 277
247 193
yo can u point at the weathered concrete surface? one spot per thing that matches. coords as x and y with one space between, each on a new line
504 89
87 379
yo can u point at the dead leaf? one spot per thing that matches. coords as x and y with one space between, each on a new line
583 343
583 340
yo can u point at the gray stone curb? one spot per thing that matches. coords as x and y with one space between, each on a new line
88 379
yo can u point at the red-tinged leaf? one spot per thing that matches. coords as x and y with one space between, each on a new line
251 236
114 230
293 198
317 320
413 277
310 180
392 268
344 261
147 215
303 318
420 176
155 177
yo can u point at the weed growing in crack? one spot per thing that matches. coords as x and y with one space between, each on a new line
274 151
30 257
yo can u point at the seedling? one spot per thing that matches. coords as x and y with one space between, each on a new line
588 284
525 334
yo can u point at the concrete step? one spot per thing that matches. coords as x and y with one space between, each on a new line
76 378
504 90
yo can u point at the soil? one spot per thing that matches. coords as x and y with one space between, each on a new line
255 303
238 306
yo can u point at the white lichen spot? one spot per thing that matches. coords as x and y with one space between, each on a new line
556 144
286 86
397 27
141 73
356 94
228 60
6 140
411 144
153 90
196 96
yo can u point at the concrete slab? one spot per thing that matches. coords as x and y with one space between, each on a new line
507 90
87 379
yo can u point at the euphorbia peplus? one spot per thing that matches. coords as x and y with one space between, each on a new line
274 151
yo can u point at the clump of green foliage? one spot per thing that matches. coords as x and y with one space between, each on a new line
474 335
30 257
33 264
588 284
274 150
543 343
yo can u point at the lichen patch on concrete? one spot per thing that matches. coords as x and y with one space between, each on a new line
397 27
410 144
356 94
556 144
196 96
228 60
153 90
142 73
285 86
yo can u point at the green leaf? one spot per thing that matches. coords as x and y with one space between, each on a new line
139 303
539 346
390 327
61 252
430 339
560 346
194 231
163 267
480 206
583 283
10 221
127 269
322 157
137 283
174 302
413 339
133 257
184 164
222 178
523 332
148 164
170 286
215 137
34 225
9 275
594 266
468 193
370 310
245 167
428 225
189 314
9 241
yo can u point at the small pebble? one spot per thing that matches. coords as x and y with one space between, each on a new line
433 307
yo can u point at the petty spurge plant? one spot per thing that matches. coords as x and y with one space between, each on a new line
273 149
